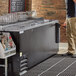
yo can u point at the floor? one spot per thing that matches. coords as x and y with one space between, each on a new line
63 48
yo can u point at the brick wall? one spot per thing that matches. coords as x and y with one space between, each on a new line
51 9
3 7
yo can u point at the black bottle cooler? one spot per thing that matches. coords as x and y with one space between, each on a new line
37 41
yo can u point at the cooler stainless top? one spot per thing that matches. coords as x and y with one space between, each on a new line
26 25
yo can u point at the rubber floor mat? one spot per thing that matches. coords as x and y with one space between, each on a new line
55 66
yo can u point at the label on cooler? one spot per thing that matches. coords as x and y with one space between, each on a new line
6 41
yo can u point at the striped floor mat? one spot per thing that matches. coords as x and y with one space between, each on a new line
55 66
